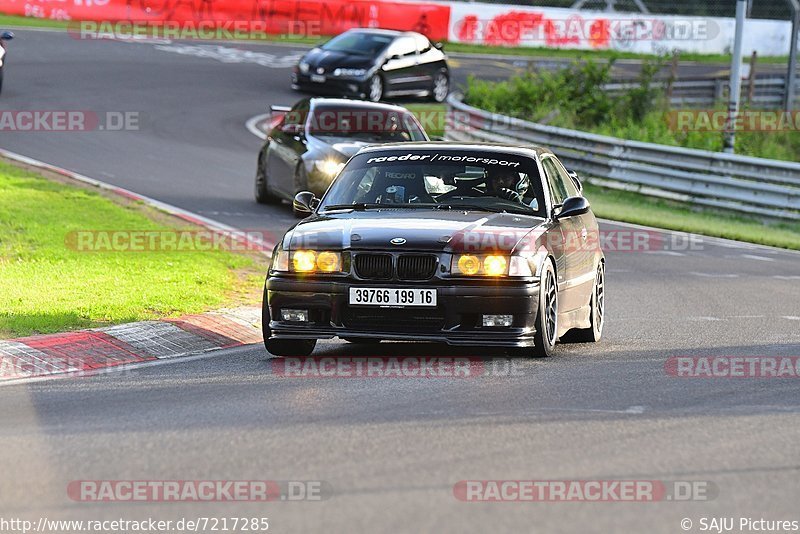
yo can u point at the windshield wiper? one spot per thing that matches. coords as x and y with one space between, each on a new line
491 209
361 206
473 207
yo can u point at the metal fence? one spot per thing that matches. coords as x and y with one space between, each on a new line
767 92
756 186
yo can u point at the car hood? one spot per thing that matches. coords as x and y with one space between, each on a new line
349 148
434 230
330 60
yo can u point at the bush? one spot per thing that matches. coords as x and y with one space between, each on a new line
573 97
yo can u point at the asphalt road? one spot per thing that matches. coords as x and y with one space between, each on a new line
390 450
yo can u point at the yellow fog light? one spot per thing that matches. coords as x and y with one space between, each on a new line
495 265
304 261
329 262
469 264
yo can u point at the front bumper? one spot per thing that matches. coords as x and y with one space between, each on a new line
456 320
332 85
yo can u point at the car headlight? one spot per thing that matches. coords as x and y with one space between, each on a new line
307 261
355 73
494 265
303 67
328 167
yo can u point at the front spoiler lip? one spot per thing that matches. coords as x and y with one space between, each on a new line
483 339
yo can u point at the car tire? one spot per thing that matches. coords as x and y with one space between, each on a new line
440 87
546 318
596 312
283 347
375 88
262 193
362 340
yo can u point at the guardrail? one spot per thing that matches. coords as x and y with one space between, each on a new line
767 92
756 186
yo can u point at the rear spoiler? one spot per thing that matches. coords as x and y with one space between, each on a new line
279 109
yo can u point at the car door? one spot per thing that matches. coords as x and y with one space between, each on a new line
571 231
429 62
287 142
400 70
589 234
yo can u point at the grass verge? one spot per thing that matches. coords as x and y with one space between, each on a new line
640 209
48 285
466 48
431 117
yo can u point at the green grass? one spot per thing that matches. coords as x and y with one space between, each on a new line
639 209
527 51
31 22
46 285
431 116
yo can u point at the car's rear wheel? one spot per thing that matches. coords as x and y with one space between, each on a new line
283 347
597 310
262 193
375 88
441 86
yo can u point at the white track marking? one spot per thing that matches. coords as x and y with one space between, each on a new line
714 275
252 125
665 252
758 258
225 54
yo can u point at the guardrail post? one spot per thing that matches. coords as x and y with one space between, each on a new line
791 81
736 78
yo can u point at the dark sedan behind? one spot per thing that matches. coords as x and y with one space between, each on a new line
314 139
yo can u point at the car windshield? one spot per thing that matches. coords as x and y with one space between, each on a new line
371 125
362 43
438 179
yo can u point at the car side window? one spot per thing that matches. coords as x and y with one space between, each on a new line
569 185
403 47
558 193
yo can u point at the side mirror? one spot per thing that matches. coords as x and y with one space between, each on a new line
304 203
7 36
438 46
576 180
573 206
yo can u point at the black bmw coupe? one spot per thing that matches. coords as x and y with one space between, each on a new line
467 244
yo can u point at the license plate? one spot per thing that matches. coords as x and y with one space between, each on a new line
381 296
318 78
